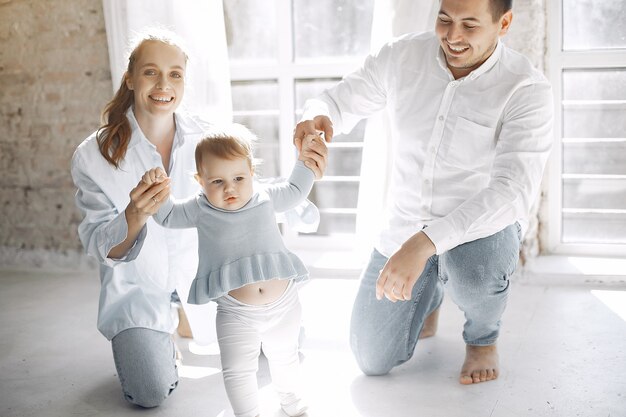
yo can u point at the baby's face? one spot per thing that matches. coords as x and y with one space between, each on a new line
227 183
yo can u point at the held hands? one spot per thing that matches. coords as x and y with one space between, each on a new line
400 273
150 194
311 147
313 153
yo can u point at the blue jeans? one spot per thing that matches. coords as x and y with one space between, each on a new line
146 365
476 277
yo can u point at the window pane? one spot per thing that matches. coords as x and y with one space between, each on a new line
332 28
344 161
345 155
255 95
335 194
593 24
266 149
600 84
594 120
255 105
594 228
309 88
251 30
594 194
331 223
595 158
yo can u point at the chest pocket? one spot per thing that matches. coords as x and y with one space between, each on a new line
472 147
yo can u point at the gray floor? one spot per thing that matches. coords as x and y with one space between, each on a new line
563 351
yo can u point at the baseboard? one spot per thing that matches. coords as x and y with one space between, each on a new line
14 258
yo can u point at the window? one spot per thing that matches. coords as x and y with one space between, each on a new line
283 52
588 178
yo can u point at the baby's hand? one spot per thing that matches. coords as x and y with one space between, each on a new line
154 176
307 143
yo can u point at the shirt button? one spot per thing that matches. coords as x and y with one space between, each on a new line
440 118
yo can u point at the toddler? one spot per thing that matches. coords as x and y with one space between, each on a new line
244 265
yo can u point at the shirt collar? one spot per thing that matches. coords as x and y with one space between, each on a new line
137 135
486 66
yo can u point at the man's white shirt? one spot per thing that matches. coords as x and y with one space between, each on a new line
468 154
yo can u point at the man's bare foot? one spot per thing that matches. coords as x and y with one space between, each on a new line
430 325
481 364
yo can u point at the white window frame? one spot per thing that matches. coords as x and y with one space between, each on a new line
559 60
285 71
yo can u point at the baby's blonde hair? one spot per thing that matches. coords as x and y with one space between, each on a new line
227 142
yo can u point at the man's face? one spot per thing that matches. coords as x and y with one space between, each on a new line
467 33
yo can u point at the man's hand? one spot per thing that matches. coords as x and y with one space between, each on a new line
313 153
400 273
313 127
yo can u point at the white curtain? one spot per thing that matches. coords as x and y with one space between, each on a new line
392 18
201 26
207 89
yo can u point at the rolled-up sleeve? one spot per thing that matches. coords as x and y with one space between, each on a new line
103 227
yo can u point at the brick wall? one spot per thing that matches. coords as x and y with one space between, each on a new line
54 81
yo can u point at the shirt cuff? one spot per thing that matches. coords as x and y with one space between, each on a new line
115 234
442 234
301 174
164 211
314 107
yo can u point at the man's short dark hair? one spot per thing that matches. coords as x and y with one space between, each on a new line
500 7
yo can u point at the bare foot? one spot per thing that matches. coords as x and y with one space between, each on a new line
430 325
481 364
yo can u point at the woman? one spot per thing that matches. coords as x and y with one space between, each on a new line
141 264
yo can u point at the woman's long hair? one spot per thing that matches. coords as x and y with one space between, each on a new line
114 134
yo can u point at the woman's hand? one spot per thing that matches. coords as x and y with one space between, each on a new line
149 195
145 200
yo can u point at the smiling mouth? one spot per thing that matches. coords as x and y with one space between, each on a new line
457 49
162 99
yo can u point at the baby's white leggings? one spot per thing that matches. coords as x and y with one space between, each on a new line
244 329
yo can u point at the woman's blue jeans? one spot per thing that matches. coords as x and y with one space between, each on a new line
146 365
476 277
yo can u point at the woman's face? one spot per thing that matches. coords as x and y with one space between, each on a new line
157 79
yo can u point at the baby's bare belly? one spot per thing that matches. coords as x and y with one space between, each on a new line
259 293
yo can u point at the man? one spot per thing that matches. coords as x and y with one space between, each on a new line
471 124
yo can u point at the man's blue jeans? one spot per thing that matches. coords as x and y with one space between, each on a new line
476 277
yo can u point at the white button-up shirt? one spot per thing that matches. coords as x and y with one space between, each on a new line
468 154
136 290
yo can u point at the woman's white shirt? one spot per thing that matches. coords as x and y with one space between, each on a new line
136 290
